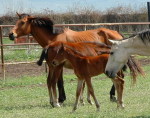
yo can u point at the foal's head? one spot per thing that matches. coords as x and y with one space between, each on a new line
61 53
56 53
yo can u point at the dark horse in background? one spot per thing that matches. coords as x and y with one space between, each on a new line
42 31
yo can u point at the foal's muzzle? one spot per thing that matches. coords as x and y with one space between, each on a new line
11 36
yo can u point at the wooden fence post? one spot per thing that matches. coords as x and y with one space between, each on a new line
85 28
2 53
148 10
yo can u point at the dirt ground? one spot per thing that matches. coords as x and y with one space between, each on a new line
35 70
18 70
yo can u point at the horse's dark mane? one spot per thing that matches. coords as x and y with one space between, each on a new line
144 35
23 15
43 22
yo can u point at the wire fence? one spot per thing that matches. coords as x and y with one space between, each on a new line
23 53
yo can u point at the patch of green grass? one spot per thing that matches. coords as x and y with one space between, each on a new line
7 41
31 101
23 81
21 55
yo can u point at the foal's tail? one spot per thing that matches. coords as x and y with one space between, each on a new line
42 57
135 68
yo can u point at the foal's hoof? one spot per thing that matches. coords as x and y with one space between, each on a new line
90 102
74 109
82 102
121 106
98 109
113 99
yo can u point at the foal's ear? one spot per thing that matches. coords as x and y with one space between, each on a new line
63 46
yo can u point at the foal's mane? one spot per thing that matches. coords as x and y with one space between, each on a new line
75 53
43 23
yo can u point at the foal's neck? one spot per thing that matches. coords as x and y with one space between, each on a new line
71 57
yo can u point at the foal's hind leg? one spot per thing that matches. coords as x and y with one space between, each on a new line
112 91
81 95
78 93
119 85
89 98
91 91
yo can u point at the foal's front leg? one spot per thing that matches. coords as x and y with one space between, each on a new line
56 74
119 85
112 91
51 83
50 87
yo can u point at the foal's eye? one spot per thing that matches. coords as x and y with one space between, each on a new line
111 53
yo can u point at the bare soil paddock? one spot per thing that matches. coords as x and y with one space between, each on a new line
19 70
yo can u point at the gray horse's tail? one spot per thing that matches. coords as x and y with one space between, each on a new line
135 68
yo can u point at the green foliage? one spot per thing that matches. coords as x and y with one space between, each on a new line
27 97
